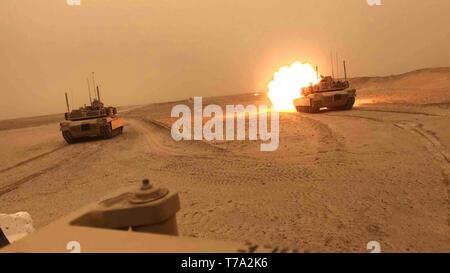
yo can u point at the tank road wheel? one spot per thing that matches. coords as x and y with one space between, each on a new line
304 109
68 137
106 131
315 107
349 104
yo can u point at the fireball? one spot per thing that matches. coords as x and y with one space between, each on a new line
287 83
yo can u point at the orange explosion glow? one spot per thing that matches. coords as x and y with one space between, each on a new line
287 83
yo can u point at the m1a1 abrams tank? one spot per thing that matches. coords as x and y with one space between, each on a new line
329 93
94 120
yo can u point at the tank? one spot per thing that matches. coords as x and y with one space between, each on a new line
330 93
94 120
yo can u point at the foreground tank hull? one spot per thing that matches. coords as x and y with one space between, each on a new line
107 127
335 100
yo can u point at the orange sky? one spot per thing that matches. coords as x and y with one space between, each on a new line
148 51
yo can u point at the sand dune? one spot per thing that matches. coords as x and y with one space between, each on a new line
425 86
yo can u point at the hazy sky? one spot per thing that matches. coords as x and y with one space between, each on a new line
147 51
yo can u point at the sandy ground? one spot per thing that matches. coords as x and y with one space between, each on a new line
338 180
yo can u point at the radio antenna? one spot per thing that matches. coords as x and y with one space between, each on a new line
93 81
89 90
345 72
98 94
337 66
71 97
332 65
317 72
67 103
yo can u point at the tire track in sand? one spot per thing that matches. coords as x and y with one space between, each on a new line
32 158
16 184
159 141
154 142
436 148
8 187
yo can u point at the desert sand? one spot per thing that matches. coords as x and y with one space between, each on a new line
338 180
